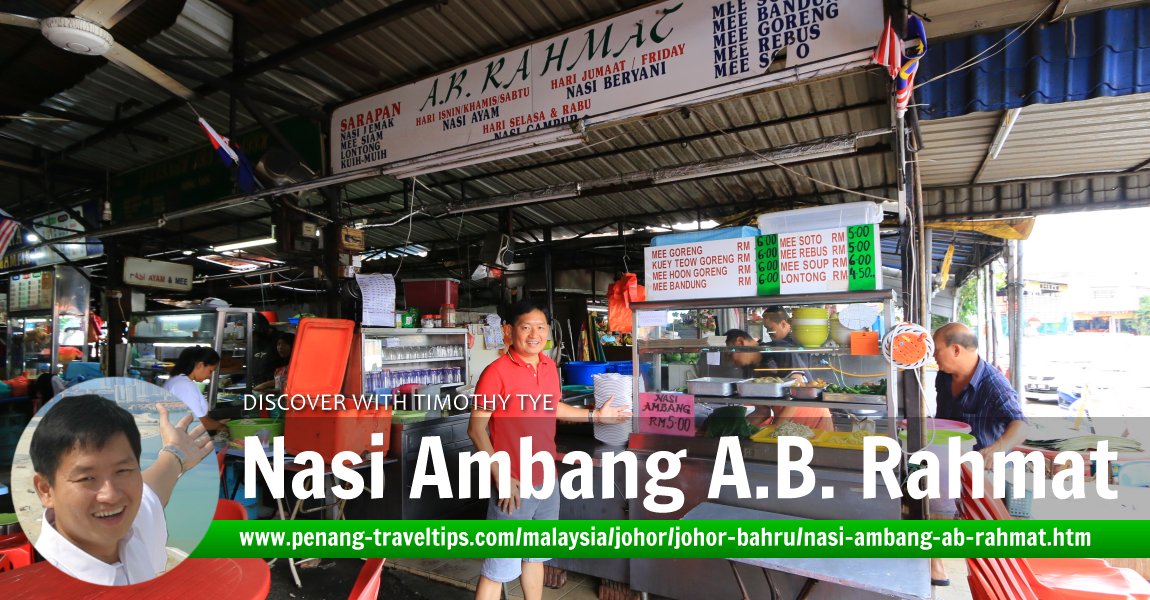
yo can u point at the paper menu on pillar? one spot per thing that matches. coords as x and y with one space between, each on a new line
378 291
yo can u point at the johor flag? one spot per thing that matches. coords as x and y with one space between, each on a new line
232 156
904 85
888 53
8 229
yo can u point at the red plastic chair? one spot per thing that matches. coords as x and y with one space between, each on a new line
5 563
1054 578
17 550
979 586
230 510
367 584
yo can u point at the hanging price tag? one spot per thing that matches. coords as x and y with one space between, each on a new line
767 263
865 264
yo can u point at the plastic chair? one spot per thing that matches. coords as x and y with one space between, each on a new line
5 563
1054 578
979 586
17 550
230 510
367 584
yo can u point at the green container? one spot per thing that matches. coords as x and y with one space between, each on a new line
262 428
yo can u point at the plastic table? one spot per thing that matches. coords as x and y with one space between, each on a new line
243 578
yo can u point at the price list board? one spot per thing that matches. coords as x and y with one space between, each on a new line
30 291
767 263
805 262
865 258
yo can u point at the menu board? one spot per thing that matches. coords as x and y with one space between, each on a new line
805 262
640 61
30 291
714 269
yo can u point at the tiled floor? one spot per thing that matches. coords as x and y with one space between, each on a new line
958 589
464 573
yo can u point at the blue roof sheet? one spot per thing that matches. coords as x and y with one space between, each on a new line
1106 53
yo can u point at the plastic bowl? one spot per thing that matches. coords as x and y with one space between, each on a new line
840 333
811 313
811 322
811 337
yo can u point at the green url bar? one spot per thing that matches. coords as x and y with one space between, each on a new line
675 539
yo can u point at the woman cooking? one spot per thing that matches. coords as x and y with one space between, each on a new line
284 344
196 363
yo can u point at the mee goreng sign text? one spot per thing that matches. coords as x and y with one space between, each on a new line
650 55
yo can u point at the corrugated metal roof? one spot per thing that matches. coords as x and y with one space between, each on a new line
1047 140
1094 55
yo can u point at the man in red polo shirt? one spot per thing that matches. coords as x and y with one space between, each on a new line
519 396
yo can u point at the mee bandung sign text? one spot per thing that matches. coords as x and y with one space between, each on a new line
672 51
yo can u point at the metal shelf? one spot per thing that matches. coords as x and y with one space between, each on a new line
884 295
420 360
758 401
758 350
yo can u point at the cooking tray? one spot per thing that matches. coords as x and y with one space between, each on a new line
805 393
713 386
856 398
764 390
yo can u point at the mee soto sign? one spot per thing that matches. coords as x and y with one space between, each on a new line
828 260
652 54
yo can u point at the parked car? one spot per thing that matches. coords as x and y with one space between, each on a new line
1041 386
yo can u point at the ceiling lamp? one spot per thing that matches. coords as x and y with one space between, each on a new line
237 245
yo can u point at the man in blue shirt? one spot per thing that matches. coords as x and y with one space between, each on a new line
972 391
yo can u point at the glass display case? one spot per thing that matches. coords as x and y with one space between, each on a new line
156 339
47 320
429 356
860 388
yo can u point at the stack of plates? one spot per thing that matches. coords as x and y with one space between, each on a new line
608 385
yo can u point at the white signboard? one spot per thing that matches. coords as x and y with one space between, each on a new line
378 298
714 269
158 274
652 54
814 261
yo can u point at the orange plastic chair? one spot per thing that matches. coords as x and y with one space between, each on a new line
230 510
367 584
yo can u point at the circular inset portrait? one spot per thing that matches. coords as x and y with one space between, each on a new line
114 482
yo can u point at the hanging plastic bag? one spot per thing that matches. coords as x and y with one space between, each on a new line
619 298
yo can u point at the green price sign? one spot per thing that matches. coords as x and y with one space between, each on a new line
767 263
862 247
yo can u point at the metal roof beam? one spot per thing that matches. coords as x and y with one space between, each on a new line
640 217
84 120
648 146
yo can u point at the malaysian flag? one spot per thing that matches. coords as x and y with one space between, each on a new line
904 85
232 156
888 53
8 229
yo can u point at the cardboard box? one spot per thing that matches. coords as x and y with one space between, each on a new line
351 239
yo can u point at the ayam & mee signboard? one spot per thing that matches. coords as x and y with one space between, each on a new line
646 56
827 260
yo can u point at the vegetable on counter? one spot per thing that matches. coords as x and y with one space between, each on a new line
868 388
